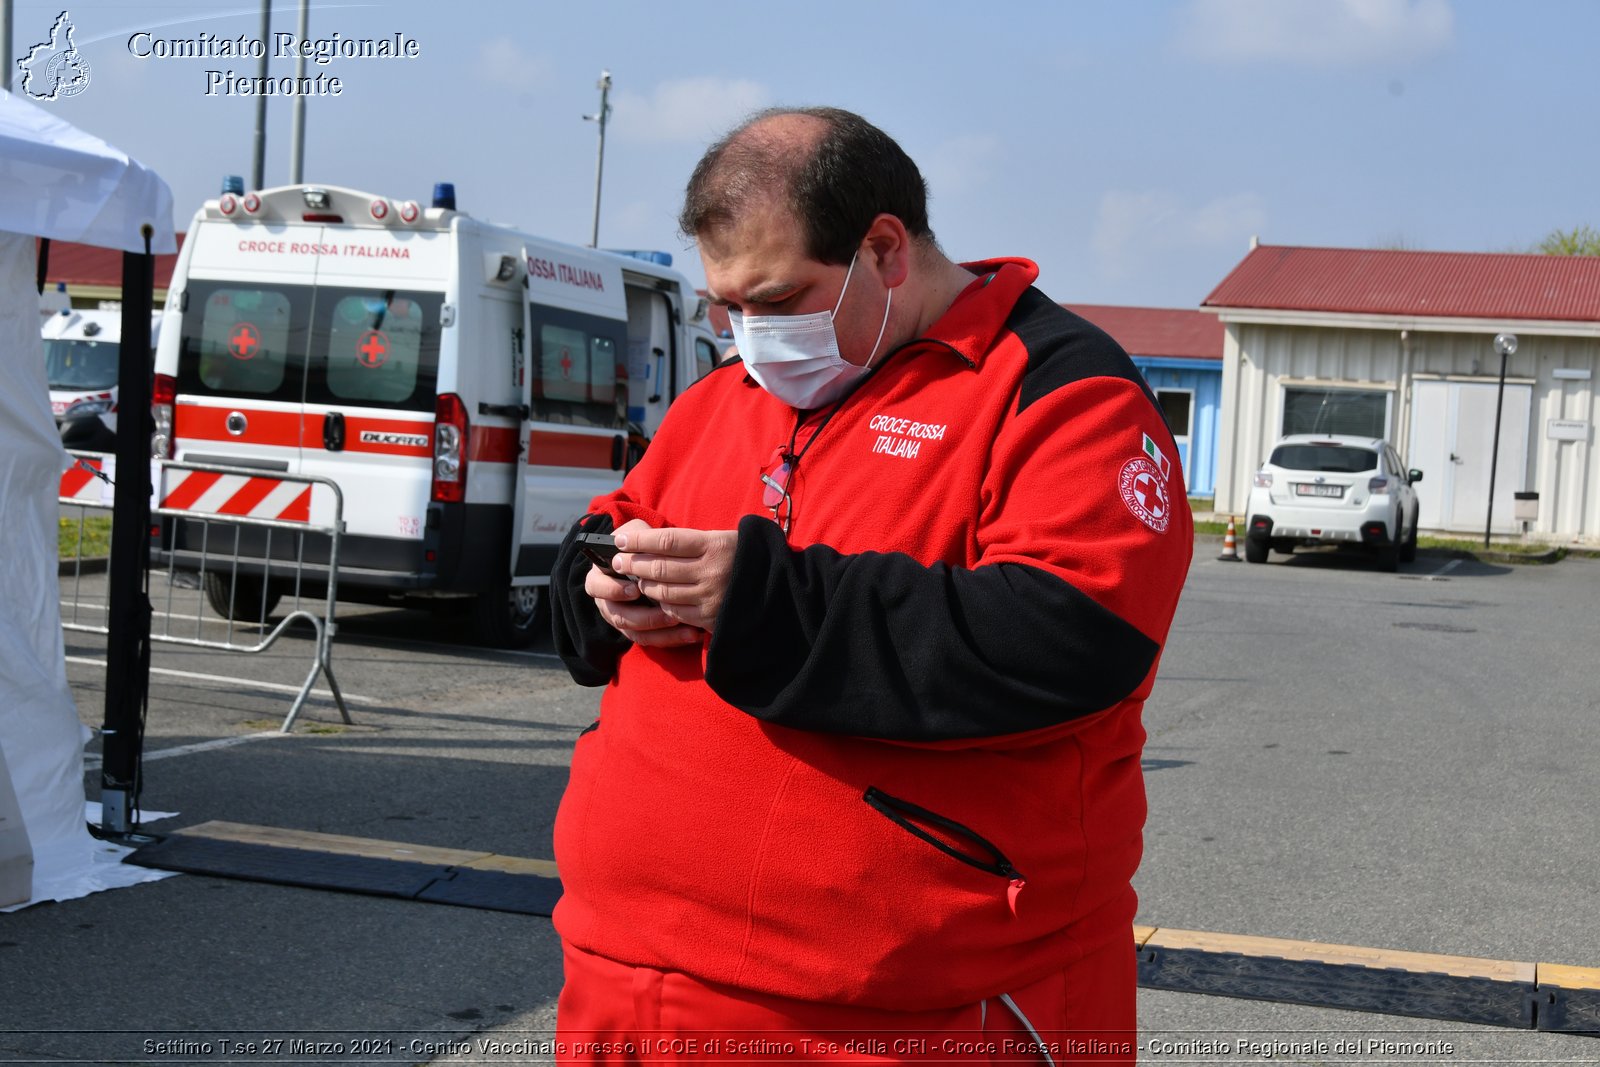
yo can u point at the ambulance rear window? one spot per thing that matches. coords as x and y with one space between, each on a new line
382 349
575 366
340 347
242 345
575 369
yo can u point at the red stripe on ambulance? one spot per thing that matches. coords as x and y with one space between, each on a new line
192 422
570 450
493 444
498 444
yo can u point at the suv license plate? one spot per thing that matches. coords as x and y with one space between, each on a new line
1305 489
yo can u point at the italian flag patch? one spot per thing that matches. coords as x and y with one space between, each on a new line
1143 484
1157 457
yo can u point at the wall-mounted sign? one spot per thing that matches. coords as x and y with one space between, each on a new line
1571 374
1567 429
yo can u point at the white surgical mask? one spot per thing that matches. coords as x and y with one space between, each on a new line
796 357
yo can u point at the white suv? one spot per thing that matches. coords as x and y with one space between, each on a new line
1334 488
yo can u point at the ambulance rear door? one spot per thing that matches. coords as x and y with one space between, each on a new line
575 433
244 317
372 368
652 370
664 357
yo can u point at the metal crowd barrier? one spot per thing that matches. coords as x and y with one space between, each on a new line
249 537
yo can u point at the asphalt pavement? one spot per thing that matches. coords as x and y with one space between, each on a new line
1336 754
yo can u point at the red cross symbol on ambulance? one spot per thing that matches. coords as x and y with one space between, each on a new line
373 351
566 363
245 342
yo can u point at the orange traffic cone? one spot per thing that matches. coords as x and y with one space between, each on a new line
1230 544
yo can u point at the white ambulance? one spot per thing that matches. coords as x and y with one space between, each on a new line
469 387
81 353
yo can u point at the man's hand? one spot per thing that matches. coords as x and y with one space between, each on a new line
618 602
686 572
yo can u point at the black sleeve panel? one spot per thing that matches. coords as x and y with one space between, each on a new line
930 653
586 643
1064 348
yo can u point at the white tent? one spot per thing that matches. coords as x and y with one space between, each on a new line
60 183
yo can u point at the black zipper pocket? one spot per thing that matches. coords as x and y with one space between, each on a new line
907 815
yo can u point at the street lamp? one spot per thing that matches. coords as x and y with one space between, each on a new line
1506 345
604 85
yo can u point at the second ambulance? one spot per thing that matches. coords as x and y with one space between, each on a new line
469 388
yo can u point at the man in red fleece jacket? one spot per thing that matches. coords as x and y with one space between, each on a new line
893 591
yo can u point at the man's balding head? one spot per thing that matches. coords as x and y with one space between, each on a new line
832 169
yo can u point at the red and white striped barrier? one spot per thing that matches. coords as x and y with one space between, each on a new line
82 482
240 495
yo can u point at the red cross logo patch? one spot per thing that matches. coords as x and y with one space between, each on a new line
1144 490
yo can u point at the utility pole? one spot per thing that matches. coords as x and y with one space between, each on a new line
1505 344
5 45
297 146
258 171
604 85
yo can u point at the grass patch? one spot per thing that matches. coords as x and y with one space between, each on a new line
96 537
1204 505
1475 545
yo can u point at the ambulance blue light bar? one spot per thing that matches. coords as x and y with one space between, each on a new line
444 195
663 259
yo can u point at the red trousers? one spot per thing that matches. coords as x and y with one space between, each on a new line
611 1013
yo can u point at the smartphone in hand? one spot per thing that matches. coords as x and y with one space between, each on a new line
600 551
601 548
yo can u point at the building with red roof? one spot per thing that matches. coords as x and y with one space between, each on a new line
1401 344
92 274
1179 352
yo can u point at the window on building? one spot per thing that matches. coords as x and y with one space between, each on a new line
1353 411
1177 405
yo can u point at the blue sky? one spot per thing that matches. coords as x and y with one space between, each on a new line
1132 149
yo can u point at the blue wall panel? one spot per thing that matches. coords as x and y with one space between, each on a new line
1203 378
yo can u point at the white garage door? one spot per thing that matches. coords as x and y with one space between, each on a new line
1452 442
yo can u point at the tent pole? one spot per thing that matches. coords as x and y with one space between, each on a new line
128 642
